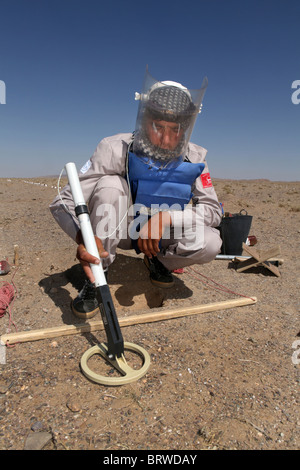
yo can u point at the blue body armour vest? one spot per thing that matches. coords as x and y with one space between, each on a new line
154 186
172 185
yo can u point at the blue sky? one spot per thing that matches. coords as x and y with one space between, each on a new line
71 68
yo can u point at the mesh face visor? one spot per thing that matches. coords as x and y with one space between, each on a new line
166 117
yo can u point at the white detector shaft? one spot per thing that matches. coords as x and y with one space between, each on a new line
85 223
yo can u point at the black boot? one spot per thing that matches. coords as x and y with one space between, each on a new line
160 276
86 304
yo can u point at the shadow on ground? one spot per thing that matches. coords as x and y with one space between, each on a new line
129 283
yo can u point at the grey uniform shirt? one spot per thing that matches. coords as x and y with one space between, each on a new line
109 158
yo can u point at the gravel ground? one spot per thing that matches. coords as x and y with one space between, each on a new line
227 379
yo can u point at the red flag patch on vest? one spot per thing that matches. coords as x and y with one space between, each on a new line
206 180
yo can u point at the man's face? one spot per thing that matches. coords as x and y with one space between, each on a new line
164 134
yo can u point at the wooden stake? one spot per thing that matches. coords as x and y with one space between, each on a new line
154 316
16 255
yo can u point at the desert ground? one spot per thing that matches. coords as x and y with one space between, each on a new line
220 380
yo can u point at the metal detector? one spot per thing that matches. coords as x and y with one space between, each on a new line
113 350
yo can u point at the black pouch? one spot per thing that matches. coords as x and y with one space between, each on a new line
234 231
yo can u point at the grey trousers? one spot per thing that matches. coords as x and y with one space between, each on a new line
190 242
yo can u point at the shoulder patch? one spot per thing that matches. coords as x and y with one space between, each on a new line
85 167
206 180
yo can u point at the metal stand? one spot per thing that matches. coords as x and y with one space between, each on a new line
114 350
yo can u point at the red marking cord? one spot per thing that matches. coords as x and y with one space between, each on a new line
215 284
7 295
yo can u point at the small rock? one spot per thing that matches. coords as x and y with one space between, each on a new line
73 406
37 426
251 340
37 440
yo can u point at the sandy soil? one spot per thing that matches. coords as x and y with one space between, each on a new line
227 379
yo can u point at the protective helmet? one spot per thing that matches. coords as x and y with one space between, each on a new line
166 102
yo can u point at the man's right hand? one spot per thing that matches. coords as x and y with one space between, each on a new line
86 258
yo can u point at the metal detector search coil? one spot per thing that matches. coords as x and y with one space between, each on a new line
113 352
